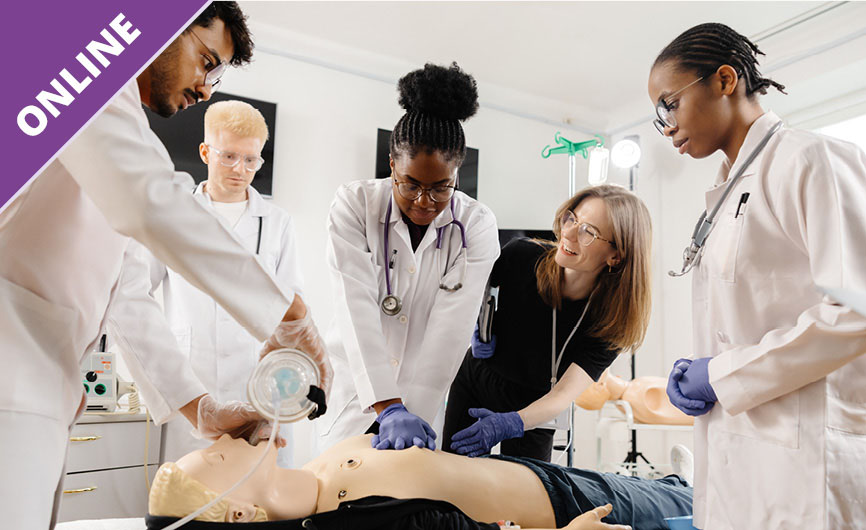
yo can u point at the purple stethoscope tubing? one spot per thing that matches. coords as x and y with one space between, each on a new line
439 236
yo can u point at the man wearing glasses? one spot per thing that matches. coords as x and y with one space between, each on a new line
62 242
222 353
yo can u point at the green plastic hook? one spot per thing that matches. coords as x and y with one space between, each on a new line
572 148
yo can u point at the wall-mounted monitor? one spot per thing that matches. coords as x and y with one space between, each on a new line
183 132
468 173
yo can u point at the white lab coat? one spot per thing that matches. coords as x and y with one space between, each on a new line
785 446
415 354
222 353
62 242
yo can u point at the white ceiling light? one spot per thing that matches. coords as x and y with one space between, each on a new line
626 153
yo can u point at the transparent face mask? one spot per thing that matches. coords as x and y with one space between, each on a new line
287 374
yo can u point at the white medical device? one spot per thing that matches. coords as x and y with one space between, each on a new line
99 376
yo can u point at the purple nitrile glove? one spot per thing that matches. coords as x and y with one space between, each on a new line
482 350
695 383
692 407
490 429
399 429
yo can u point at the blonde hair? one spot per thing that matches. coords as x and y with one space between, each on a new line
176 494
237 117
622 298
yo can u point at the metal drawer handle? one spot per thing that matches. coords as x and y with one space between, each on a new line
84 438
81 490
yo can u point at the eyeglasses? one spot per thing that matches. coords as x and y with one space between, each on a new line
412 192
665 110
586 233
229 159
214 68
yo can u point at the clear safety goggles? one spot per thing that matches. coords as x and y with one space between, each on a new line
230 159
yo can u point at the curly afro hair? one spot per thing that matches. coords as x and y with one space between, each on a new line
436 99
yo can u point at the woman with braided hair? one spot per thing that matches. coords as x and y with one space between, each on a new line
776 376
409 259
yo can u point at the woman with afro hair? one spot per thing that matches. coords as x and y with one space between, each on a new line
409 259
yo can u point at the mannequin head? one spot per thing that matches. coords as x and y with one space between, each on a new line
646 395
271 493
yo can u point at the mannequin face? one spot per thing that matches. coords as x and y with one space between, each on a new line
282 493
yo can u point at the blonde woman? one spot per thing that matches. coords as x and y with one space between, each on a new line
592 285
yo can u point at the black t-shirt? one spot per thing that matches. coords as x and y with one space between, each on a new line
369 513
523 324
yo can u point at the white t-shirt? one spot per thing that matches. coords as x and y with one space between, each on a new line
230 211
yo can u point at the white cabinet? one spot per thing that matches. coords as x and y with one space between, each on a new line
105 469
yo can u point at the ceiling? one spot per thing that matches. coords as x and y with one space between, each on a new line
584 63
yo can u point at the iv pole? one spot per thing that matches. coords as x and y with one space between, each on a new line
571 148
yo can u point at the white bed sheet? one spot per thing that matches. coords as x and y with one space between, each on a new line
104 524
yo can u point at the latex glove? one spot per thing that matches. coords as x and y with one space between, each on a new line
695 383
399 429
490 429
692 407
591 520
482 350
302 335
235 418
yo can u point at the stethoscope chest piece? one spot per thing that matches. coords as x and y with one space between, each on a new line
391 305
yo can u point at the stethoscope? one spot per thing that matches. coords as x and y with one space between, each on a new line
258 236
391 303
691 255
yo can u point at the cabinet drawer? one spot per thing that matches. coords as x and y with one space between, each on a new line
116 493
109 445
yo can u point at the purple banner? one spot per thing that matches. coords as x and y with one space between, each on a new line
64 62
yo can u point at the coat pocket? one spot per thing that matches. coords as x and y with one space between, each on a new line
776 421
723 246
183 335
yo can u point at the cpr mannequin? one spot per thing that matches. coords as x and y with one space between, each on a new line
485 489
646 395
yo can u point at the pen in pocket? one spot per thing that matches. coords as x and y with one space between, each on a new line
740 207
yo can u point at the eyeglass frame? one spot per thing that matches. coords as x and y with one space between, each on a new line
217 70
586 227
660 123
219 153
424 189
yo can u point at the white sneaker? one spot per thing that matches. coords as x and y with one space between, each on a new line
683 463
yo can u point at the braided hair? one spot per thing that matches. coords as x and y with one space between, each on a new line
436 100
706 47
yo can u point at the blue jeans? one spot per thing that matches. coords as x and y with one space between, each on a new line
641 503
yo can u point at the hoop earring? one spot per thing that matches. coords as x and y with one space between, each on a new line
609 269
